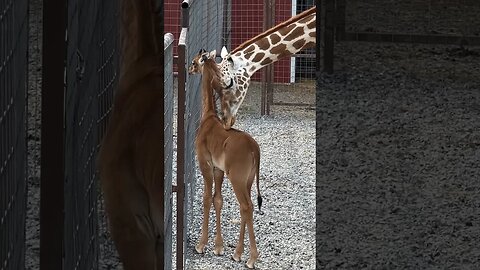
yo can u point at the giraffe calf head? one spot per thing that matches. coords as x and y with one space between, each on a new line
196 66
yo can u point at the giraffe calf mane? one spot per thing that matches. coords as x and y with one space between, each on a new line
210 69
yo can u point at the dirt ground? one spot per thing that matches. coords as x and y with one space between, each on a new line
398 151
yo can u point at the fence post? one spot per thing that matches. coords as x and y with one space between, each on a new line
52 134
181 62
329 36
267 74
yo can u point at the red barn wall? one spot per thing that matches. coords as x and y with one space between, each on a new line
247 22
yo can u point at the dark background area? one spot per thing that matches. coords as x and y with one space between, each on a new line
398 146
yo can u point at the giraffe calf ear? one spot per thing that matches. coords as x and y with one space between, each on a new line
201 51
212 54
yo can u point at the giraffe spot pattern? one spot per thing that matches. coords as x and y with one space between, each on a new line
259 56
279 48
286 30
294 34
274 38
312 24
250 48
299 44
263 44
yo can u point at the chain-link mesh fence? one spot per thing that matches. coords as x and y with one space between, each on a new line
168 140
13 154
91 77
205 31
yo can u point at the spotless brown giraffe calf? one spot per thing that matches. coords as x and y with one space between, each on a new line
231 152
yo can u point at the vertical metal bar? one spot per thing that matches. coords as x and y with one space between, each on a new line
52 134
180 154
181 148
340 20
329 36
270 71
266 71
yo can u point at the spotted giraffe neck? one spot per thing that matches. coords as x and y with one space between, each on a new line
285 39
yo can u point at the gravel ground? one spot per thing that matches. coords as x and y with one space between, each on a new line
32 233
398 151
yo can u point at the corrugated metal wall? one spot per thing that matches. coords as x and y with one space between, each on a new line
13 154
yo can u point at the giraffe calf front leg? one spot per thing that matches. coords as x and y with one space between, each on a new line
207 202
207 172
218 202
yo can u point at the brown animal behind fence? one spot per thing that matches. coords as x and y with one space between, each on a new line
231 152
132 153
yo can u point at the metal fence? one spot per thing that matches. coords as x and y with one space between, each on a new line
91 77
202 27
205 31
168 141
13 89
70 141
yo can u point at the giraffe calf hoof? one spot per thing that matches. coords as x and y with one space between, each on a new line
237 259
250 264
218 251
200 249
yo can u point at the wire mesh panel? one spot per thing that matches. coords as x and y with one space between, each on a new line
171 9
168 141
205 31
80 242
13 87
91 76
108 82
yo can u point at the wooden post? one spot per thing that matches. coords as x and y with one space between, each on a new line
52 133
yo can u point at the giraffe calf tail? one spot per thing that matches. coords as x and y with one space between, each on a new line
259 196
